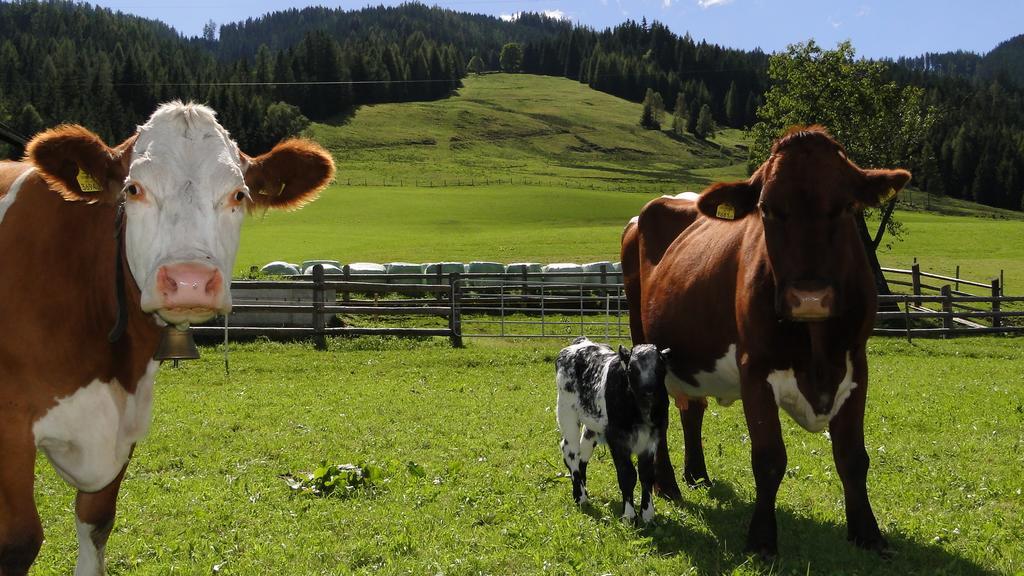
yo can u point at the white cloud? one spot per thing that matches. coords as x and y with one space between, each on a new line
835 23
556 14
666 3
864 11
712 3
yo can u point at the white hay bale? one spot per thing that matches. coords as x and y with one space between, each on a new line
280 268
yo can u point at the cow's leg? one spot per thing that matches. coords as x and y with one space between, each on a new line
847 431
94 519
768 459
665 484
569 425
645 465
695 472
627 477
587 443
21 533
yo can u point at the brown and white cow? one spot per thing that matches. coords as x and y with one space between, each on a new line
763 291
65 388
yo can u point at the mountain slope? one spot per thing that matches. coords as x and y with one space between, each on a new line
1006 58
547 129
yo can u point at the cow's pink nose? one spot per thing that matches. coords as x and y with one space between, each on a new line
810 305
190 285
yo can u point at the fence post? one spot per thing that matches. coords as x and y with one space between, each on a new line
440 280
604 279
915 281
455 320
957 278
997 318
947 307
319 341
347 272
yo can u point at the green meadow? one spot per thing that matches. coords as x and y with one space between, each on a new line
533 168
464 442
472 480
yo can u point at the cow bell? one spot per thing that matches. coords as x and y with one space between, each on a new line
176 344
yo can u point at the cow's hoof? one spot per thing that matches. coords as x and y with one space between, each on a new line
874 542
583 499
766 551
628 513
647 514
668 491
697 480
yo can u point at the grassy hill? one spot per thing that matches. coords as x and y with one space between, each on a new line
520 167
514 167
502 126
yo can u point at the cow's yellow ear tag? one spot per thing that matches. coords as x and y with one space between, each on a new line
725 211
887 195
87 183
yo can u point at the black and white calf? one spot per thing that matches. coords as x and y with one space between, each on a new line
620 399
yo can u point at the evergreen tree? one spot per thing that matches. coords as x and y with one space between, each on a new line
733 112
28 122
658 108
680 116
649 115
705 124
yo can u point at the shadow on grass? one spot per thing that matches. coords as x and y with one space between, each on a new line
805 545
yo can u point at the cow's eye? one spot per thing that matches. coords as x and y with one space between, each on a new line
134 191
839 212
769 213
240 195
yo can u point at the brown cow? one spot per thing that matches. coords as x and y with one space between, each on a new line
763 291
71 384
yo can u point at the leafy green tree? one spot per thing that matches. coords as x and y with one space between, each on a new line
879 122
476 65
511 57
282 120
705 124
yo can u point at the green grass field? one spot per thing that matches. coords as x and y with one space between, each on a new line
580 167
473 481
487 495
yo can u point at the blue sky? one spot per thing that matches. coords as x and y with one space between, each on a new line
878 28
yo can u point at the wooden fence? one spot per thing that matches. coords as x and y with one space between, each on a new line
443 304
559 305
952 306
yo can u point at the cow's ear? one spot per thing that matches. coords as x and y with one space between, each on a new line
624 354
730 200
78 164
289 176
880 186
